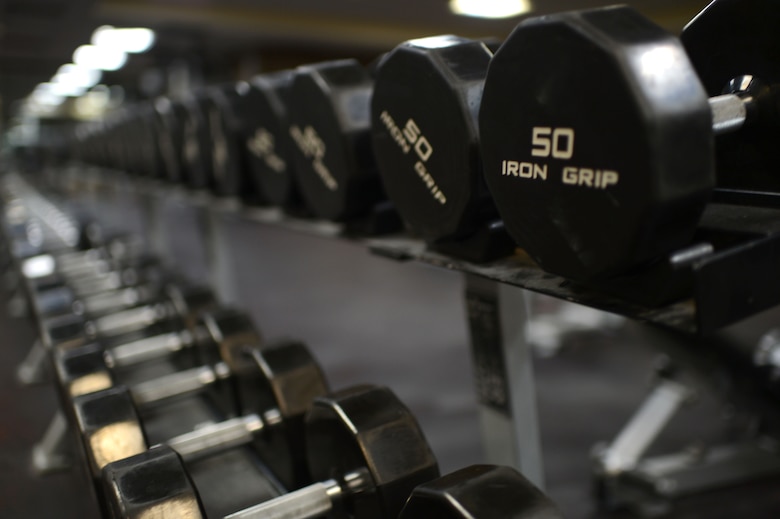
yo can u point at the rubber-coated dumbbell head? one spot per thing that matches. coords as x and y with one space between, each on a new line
81 371
226 129
109 426
171 116
267 140
481 492
424 133
152 484
231 333
284 377
367 430
196 142
728 40
329 126
596 140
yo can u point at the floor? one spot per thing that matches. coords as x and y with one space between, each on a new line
369 319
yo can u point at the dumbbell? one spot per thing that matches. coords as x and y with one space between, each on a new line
41 273
480 492
61 299
178 307
267 142
209 345
279 384
364 447
226 118
171 115
196 142
425 136
724 42
597 137
330 121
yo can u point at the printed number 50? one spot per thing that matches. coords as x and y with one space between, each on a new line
558 141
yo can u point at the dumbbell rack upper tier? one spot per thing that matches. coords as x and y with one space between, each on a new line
734 278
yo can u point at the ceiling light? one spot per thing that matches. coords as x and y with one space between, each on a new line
490 8
59 89
44 96
103 58
130 39
72 74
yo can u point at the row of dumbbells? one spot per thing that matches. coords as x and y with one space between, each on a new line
361 445
590 134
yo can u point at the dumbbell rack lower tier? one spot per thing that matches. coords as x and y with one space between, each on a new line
724 276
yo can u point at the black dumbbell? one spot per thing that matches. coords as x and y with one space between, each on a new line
209 346
725 42
226 116
267 142
364 446
280 383
171 115
196 142
178 307
425 136
480 492
329 116
62 299
597 140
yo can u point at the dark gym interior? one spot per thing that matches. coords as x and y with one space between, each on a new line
553 237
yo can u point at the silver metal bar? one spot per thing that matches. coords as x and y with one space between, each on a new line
312 501
34 367
53 452
503 368
144 350
728 113
179 384
215 438
639 433
109 301
131 319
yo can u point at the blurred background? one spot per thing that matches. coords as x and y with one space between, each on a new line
368 319
198 42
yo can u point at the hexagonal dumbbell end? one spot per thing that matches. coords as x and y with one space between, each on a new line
425 137
191 301
367 453
596 177
286 378
329 125
109 427
480 492
267 140
151 484
82 370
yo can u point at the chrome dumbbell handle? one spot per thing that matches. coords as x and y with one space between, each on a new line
215 438
180 384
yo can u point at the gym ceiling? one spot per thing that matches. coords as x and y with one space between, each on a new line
234 39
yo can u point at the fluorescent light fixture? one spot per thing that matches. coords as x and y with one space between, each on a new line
490 8
44 96
38 266
77 76
60 89
102 58
130 39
